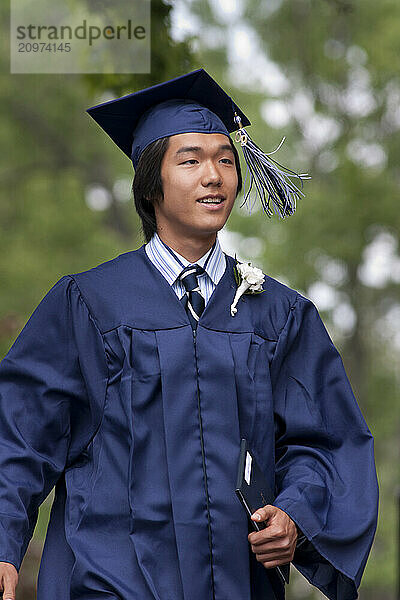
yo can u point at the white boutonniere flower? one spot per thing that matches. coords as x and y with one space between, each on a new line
249 281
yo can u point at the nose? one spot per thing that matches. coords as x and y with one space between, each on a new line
211 174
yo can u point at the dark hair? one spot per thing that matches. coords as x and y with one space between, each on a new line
147 184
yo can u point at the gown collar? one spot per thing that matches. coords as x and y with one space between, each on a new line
163 310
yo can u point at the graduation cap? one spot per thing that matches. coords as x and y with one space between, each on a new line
195 103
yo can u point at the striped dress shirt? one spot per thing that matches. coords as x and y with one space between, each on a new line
171 264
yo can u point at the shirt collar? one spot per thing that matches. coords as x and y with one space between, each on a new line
169 262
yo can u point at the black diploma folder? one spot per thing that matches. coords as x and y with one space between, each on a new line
254 492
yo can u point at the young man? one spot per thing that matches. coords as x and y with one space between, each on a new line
132 384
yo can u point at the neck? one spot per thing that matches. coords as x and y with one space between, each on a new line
190 248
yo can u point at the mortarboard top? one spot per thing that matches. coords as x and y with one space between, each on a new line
137 119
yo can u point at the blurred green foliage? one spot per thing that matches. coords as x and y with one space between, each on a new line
54 157
340 58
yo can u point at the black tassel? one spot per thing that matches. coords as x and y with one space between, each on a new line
270 179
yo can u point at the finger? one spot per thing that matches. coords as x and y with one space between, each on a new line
270 533
8 589
277 529
271 548
261 557
270 564
285 556
9 594
263 513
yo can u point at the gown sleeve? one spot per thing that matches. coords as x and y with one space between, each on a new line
52 389
325 469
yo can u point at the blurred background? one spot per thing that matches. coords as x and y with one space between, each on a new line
324 73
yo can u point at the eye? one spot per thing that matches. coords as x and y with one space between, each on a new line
230 162
191 160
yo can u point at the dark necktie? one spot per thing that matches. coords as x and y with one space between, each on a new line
193 300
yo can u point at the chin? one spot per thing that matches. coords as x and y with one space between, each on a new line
216 224
211 229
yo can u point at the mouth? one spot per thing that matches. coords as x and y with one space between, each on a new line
212 199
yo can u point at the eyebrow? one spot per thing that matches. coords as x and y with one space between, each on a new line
184 149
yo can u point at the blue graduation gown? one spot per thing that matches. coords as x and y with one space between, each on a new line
107 395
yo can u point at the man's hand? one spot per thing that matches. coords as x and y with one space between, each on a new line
274 545
8 580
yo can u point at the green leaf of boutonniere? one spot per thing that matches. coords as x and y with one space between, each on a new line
236 275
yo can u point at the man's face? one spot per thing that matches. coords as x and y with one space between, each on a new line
199 182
